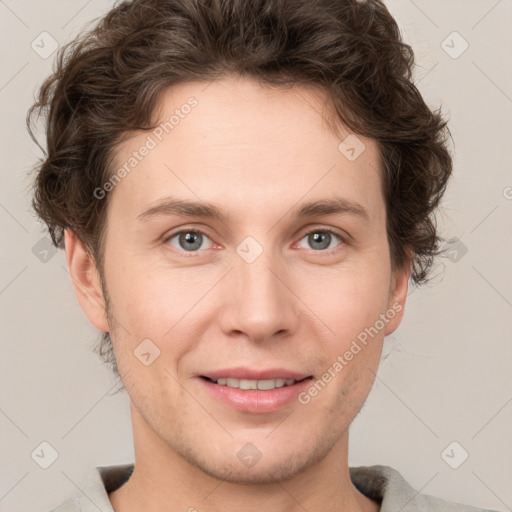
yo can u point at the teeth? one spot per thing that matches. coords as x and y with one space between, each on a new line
244 383
255 384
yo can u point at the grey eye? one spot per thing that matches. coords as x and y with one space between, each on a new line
320 239
189 241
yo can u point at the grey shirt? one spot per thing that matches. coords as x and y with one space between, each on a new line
383 484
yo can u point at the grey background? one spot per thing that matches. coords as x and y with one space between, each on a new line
446 373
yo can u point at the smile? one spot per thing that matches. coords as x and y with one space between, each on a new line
246 384
256 396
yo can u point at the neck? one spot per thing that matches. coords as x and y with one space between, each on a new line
163 480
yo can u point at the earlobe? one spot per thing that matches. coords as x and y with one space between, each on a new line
398 296
86 281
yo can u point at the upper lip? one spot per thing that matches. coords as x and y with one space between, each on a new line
241 372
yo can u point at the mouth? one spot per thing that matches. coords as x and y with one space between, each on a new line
261 385
255 392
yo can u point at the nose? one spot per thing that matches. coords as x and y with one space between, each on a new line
259 303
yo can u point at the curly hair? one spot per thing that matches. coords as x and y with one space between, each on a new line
108 81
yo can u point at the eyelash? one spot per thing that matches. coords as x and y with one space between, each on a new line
316 230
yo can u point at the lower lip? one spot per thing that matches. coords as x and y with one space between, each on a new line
256 400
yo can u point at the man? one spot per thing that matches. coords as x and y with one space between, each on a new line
243 191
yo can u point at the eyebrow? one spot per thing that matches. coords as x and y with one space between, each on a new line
186 208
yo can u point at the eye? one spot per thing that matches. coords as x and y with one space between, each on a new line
188 240
321 239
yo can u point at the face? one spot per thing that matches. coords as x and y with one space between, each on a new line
244 244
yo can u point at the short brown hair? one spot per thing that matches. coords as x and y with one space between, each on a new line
107 83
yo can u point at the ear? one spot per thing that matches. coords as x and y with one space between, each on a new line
398 295
86 281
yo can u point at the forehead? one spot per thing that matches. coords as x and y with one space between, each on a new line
239 144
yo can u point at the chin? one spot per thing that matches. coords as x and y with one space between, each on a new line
266 473
270 468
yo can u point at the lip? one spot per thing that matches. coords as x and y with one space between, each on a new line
255 401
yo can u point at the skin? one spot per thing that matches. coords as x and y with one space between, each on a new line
258 154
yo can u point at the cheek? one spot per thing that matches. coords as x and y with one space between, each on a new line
145 298
350 302
161 305
352 309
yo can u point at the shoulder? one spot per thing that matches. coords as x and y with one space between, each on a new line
94 489
386 485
